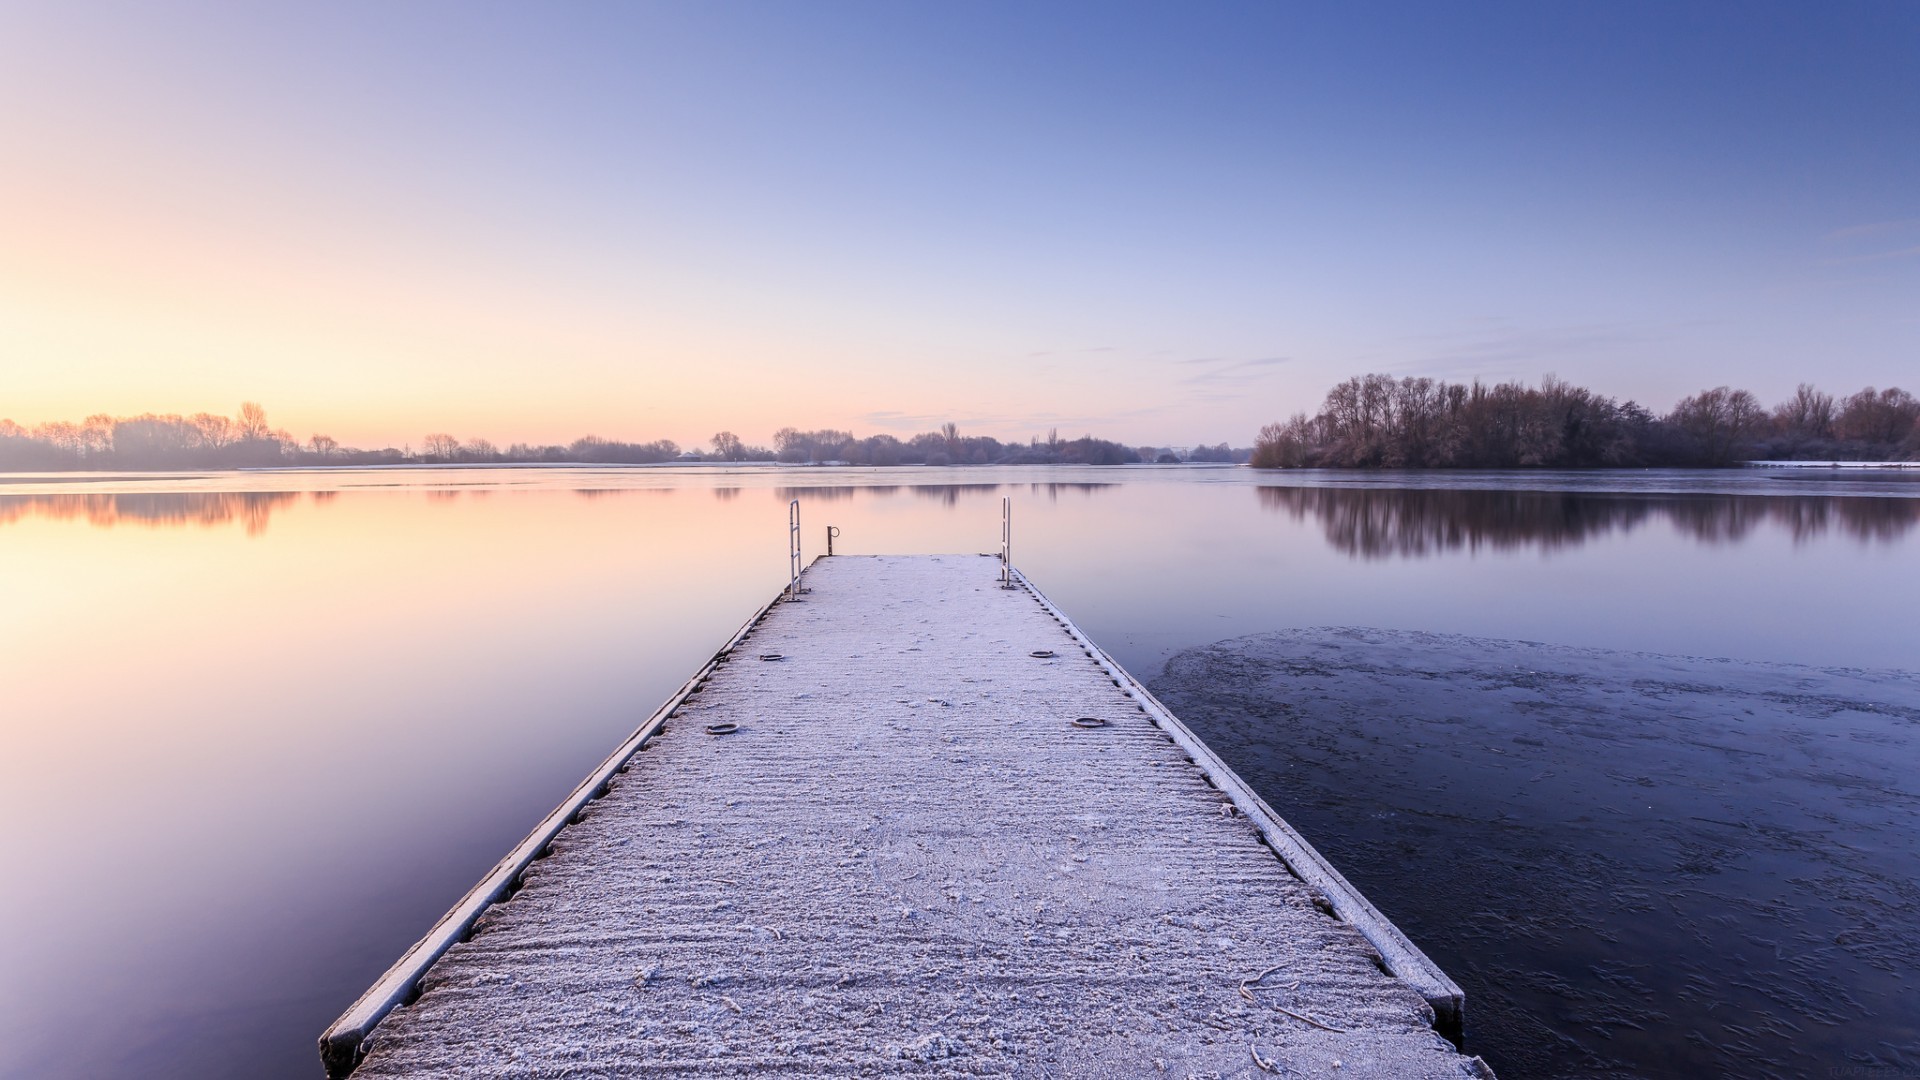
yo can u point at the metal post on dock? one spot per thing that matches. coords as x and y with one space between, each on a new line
831 533
1006 542
794 565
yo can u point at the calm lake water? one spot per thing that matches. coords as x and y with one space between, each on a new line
262 729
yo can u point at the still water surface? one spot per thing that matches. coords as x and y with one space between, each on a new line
262 729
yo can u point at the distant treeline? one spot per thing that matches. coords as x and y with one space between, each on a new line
209 441
1378 421
948 447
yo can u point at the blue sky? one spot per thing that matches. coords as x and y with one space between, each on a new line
1161 223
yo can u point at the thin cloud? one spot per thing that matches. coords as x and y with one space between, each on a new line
1221 371
1873 228
1501 349
1075 352
918 423
1873 256
888 418
1016 426
1862 238
1222 381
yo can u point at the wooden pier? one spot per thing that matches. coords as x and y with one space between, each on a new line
910 823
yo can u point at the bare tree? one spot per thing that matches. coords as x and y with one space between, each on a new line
323 445
216 432
252 424
440 446
1284 446
883 450
96 435
1808 414
63 434
1719 419
1882 418
727 445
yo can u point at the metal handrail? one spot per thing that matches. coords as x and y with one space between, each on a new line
794 564
1006 543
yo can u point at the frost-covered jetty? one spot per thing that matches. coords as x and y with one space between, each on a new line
910 823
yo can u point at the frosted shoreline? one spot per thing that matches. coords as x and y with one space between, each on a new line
1832 464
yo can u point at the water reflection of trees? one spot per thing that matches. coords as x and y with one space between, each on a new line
814 494
946 494
596 494
251 509
1052 490
949 494
1387 522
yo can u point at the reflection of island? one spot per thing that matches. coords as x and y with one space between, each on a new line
206 508
1389 522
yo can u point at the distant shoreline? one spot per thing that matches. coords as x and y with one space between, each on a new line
27 476
54 475
1831 464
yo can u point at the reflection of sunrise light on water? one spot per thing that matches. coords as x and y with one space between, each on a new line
285 727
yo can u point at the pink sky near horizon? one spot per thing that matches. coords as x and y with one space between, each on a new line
660 222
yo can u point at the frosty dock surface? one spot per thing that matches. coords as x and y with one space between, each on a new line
893 851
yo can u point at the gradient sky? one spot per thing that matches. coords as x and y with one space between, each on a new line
1158 223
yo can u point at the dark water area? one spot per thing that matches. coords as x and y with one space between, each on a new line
1634 865
264 728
